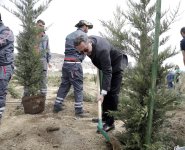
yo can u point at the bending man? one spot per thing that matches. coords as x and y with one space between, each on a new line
111 61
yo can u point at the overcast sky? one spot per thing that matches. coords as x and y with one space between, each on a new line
62 15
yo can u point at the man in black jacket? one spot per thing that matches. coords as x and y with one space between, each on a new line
111 62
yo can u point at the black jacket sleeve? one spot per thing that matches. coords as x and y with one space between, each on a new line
105 63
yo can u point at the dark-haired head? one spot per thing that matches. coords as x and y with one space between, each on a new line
79 39
182 30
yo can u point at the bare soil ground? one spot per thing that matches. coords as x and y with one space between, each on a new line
20 131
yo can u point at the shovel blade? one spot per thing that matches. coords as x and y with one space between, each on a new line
103 133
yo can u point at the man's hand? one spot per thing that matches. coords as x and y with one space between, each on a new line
100 98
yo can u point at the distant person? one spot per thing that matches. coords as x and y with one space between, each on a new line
170 80
72 73
111 62
182 43
43 48
177 74
6 62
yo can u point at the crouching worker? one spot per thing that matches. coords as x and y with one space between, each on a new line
111 62
6 62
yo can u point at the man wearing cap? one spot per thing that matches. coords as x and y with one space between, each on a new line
72 73
6 62
111 62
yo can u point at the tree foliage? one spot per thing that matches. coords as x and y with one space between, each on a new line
28 65
133 32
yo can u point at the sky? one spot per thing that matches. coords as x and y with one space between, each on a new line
62 15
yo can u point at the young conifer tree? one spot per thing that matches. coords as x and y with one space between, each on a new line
28 64
133 33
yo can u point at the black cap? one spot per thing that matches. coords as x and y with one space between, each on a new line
82 23
41 21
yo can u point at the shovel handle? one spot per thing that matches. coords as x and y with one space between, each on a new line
99 110
98 91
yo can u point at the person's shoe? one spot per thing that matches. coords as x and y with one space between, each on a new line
57 109
107 128
81 115
95 120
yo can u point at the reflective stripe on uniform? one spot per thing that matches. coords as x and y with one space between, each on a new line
44 90
59 100
2 108
78 104
69 62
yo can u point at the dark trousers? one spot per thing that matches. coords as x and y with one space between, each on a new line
112 98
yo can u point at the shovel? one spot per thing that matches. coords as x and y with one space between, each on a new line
112 143
100 124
